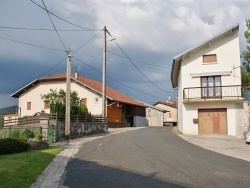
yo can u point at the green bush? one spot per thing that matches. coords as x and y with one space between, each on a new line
27 133
15 133
12 145
39 136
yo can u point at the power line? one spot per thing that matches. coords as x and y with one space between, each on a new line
29 44
86 42
138 61
119 81
64 19
54 26
139 69
39 29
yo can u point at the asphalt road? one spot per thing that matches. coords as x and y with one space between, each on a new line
152 157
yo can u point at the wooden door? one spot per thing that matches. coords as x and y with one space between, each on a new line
212 121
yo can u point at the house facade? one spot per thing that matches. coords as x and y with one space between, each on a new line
155 115
121 109
170 117
208 78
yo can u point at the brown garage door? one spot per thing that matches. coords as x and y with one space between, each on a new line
212 121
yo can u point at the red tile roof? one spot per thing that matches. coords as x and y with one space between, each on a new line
89 83
168 103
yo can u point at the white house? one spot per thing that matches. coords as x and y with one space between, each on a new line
208 78
121 109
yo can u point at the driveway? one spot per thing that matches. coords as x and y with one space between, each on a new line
149 157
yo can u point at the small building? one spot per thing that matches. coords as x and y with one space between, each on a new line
154 115
170 117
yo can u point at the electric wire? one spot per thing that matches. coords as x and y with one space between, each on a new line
38 29
54 26
29 44
86 42
140 70
139 61
118 81
88 29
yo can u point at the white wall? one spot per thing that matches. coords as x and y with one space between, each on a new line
37 104
190 111
154 117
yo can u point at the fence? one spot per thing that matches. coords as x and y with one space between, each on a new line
79 118
16 132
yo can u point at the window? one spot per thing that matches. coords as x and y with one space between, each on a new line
96 100
84 102
28 105
46 105
210 86
211 58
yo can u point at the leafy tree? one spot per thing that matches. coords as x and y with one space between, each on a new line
246 59
57 102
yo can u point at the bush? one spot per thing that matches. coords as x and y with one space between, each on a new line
15 133
12 145
27 133
39 136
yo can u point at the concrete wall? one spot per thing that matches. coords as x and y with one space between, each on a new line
140 121
37 104
242 119
154 117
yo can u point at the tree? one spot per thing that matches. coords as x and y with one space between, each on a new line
57 102
245 70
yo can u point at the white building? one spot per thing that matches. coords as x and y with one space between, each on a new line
208 78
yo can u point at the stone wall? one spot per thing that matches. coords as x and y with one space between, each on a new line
242 119
79 129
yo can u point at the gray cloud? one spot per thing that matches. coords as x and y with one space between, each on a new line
149 31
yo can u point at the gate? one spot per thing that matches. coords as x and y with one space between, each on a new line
51 133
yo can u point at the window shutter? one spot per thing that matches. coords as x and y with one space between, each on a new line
209 58
28 105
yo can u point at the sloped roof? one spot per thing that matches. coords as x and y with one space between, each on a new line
167 103
178 59
93 85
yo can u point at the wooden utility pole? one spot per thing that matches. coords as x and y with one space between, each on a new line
67 113
104 113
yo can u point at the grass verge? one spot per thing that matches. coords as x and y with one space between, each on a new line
22 169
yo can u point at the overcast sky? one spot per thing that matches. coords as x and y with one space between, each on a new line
150 32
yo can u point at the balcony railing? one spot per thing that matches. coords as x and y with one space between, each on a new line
213 93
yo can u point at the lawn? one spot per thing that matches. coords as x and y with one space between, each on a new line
22 169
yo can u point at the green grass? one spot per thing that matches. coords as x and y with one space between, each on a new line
22 169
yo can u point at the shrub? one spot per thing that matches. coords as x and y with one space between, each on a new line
27 133
15 133
39 136
12 145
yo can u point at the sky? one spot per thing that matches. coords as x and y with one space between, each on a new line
147 33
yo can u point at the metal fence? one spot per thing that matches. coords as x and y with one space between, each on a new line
213 92
79 118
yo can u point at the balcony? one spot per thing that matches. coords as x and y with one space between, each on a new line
229 93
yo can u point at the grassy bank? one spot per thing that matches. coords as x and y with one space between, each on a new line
22 169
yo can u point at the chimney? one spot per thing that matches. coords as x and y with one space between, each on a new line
76 75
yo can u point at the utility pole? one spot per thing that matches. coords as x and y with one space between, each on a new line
67 114
104 114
